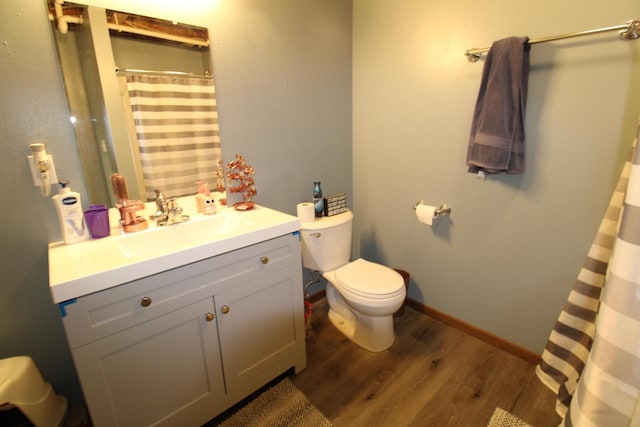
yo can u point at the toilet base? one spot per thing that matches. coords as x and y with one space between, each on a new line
371 333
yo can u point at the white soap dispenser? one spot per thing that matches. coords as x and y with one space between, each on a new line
69 207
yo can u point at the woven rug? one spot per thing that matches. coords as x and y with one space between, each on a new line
278 406
502 418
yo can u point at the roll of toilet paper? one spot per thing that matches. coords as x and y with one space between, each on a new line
426 214
306 212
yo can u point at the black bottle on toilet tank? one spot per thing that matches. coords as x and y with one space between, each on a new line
318 201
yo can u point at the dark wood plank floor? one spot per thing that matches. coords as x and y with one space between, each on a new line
433 375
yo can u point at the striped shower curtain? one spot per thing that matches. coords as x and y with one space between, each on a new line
176 124
592 358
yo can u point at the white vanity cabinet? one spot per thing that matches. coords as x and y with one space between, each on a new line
180 346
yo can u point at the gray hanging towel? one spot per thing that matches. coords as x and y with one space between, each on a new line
496 143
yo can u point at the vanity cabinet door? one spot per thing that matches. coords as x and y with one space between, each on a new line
261 329
166 371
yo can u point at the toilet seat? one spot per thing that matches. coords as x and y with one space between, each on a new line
369 280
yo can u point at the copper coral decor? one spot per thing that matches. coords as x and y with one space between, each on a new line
240 179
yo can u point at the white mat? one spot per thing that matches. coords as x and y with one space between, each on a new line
502 418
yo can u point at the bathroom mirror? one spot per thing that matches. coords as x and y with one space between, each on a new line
141 97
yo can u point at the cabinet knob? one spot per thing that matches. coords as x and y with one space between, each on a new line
145 301
264 260
208 317
225 309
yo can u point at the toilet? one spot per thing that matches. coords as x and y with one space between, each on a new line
362 295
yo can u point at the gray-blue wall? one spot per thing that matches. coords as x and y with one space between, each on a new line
506 258
284 98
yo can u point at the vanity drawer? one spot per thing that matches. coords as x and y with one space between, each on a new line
103 313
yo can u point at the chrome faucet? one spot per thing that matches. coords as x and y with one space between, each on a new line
174 212
167 210
161 207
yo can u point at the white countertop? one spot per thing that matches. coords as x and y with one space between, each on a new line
98 264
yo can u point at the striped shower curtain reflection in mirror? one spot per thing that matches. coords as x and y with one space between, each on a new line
177 131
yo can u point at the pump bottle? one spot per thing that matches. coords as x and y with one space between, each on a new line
69 207
318 201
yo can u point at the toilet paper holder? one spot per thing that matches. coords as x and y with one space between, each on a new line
443 209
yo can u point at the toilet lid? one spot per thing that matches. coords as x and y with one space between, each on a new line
369 279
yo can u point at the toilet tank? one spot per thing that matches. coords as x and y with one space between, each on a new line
326 242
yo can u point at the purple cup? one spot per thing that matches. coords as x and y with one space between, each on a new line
97 218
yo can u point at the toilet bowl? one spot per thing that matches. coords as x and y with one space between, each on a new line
362 298
362 295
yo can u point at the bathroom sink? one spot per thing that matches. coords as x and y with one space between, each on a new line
97 264
185 234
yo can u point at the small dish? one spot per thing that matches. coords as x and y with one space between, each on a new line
243 206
